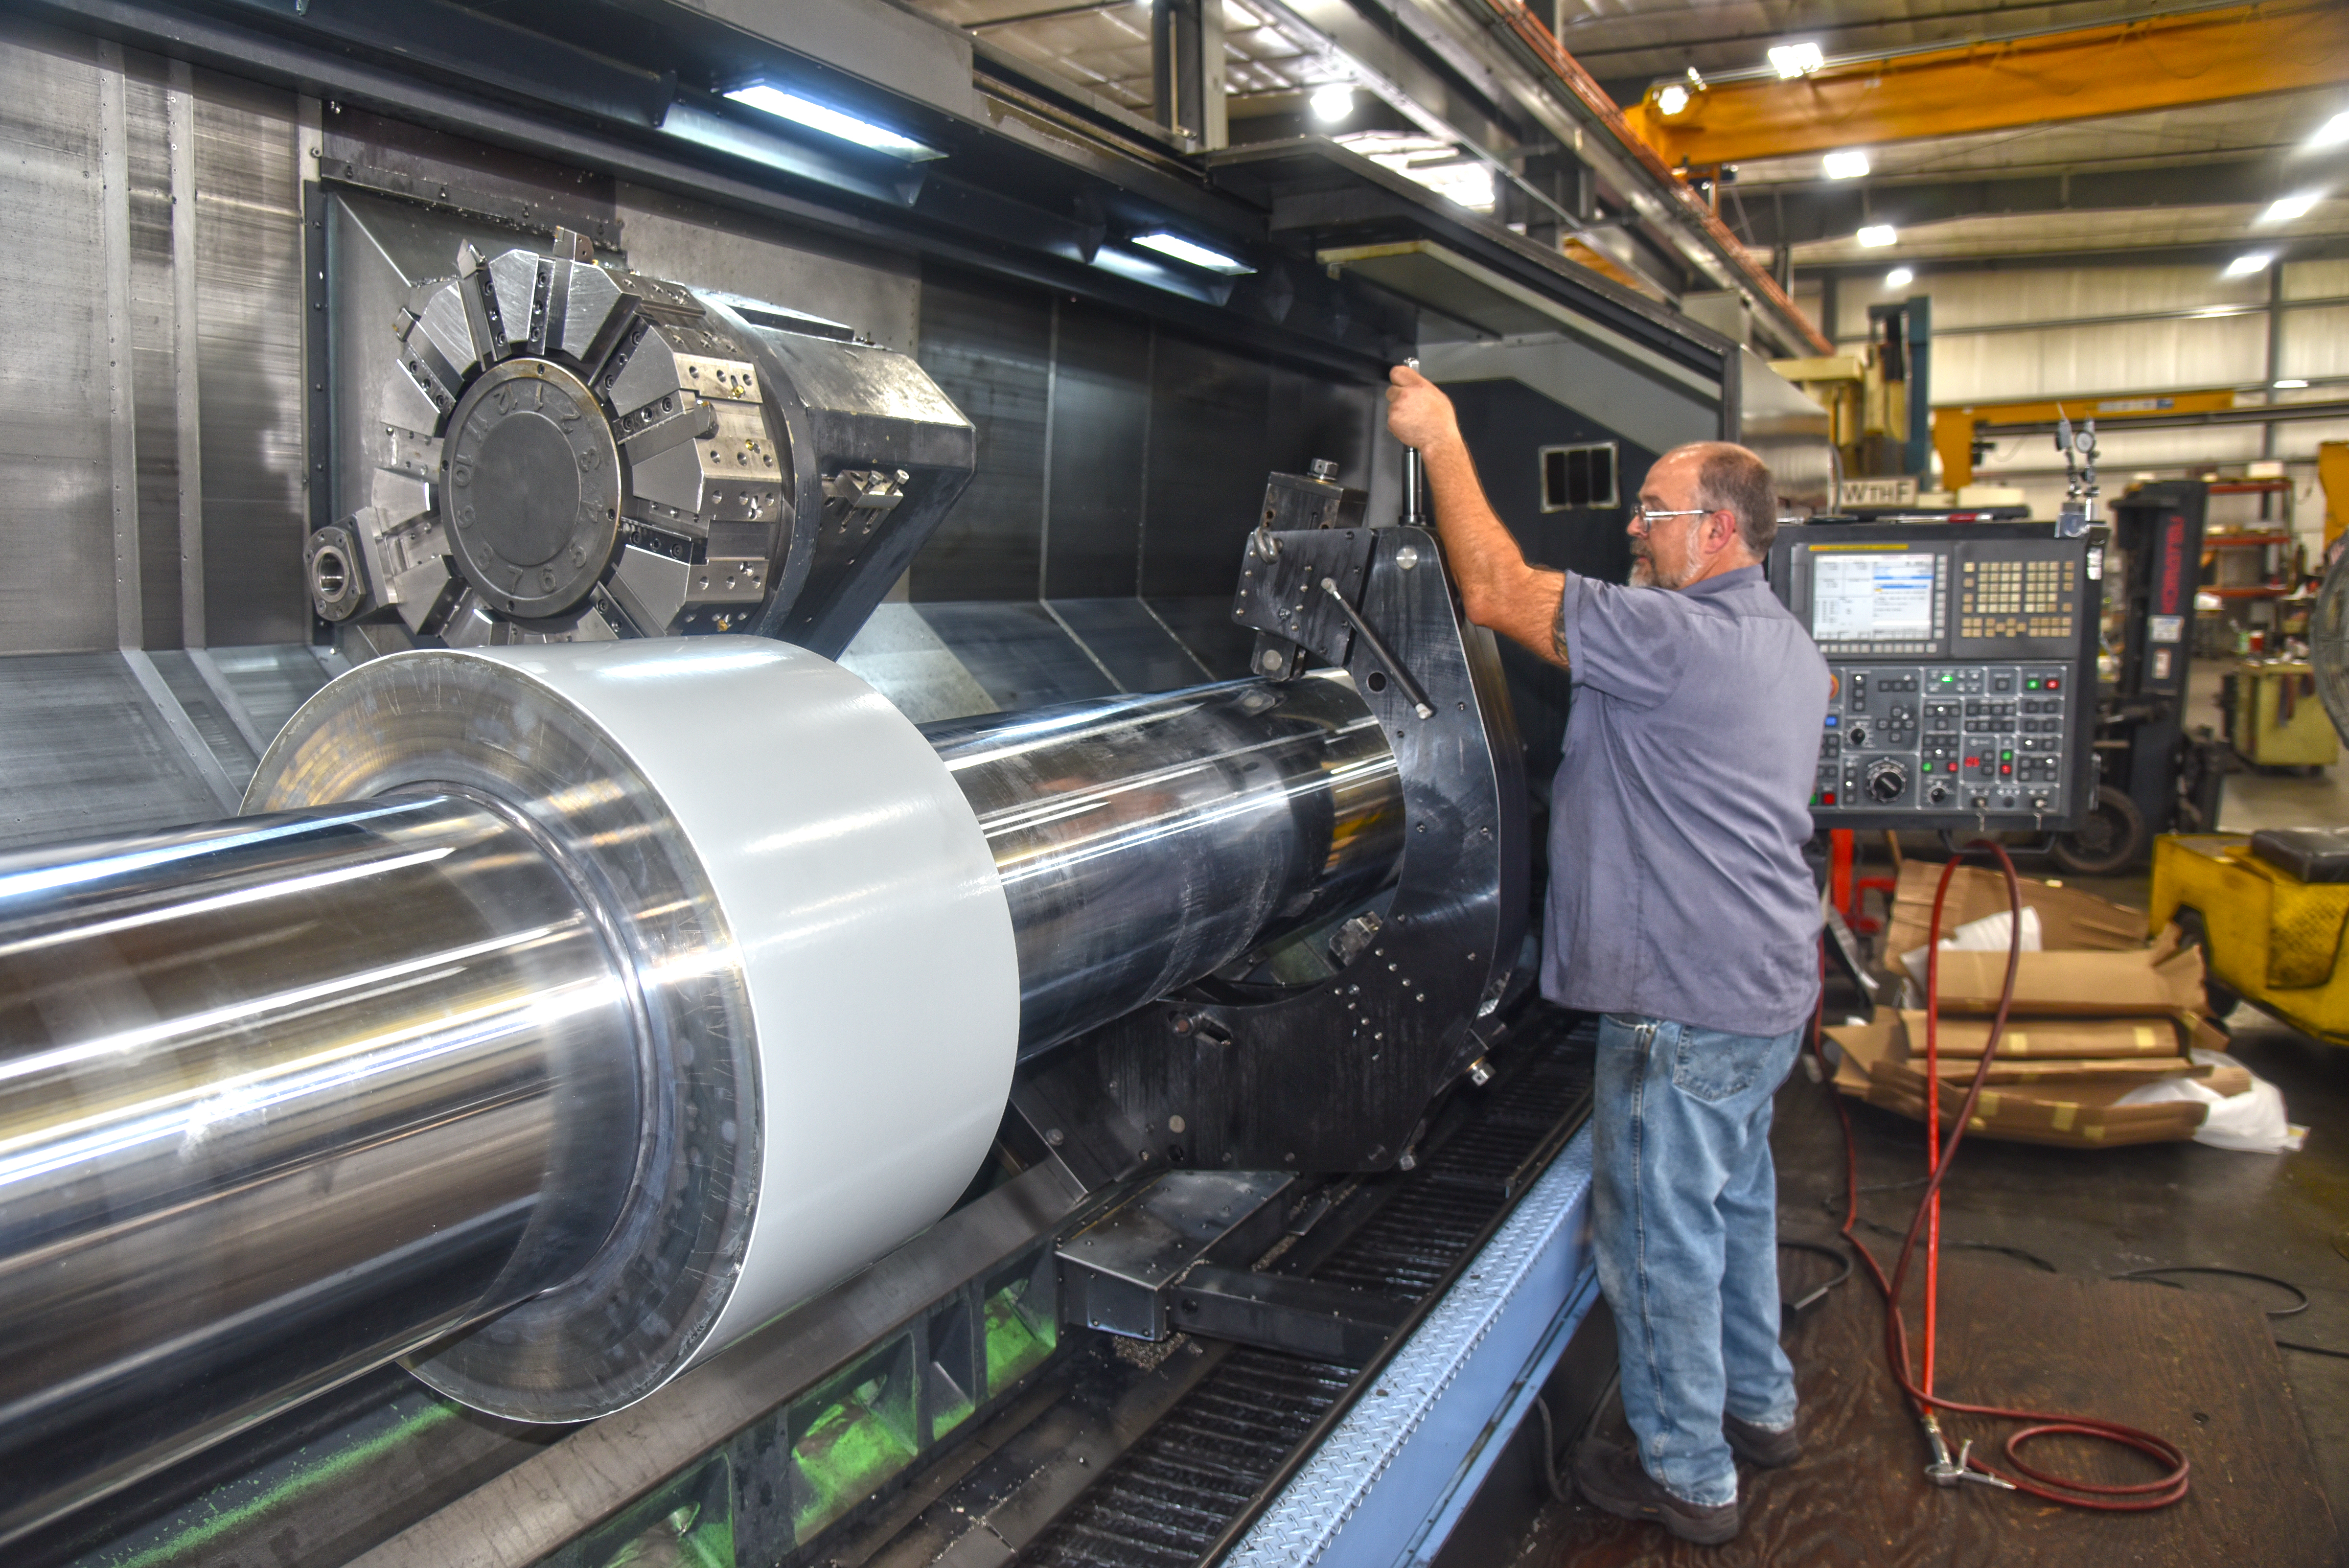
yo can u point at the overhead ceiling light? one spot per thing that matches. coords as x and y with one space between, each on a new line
1672 98
2290 384
2245 265
1849 164
1877 235
1184 250
1333 102
2332 133
2285 208
1900 278
815 116
1792 60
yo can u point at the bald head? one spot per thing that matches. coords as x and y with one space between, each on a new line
1729 478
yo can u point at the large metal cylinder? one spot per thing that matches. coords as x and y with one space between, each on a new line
1147 842
527 1060
255 1137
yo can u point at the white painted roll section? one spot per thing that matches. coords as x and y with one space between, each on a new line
871 926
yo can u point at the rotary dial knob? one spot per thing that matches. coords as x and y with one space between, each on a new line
1888 780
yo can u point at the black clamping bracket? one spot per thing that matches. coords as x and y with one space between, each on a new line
1310 527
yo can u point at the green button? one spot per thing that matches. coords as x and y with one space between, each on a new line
2006 756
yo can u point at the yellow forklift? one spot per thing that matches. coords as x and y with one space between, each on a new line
2270 910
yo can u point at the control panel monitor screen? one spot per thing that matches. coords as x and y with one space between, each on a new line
1861 597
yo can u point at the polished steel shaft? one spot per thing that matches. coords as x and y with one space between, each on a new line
285 1097
1148 842
280 1099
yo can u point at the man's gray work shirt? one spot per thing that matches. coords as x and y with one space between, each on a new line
1678 887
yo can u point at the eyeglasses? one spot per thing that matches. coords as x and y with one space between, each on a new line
1645 518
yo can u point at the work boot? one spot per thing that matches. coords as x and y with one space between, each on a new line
1759 1445
1613 1478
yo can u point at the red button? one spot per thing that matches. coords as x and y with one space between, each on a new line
2006 767
2053 683
1828 797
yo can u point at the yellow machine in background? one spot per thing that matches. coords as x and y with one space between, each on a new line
2332 473
2278 721
2271 908
2268 936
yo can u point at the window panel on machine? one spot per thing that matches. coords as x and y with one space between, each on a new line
1575 477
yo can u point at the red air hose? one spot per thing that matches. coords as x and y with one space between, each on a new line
2135 1497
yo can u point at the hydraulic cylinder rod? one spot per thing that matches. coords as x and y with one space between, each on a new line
505 1065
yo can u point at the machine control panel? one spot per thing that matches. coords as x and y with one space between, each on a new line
1966 738
1963 666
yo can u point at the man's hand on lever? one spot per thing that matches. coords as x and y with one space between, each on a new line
1497 588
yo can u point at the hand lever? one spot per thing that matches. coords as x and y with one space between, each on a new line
1410 688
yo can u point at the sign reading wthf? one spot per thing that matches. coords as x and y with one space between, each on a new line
1900 491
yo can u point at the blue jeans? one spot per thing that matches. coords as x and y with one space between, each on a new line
1685 1208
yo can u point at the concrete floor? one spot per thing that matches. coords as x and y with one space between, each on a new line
2103 1212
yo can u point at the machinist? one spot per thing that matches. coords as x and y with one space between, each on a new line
1681 910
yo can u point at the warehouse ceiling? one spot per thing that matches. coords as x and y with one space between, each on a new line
2163 184
1627 43
1106 47
2202 175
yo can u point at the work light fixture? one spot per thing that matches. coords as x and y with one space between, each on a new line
2288 384
2252 262
2332 133
1849 164
820 117
1672 98
1192 252
1333 102
1900 278
1792 60
2285 208
1877 235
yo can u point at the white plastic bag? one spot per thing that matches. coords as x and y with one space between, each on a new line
1990 934
2253 1121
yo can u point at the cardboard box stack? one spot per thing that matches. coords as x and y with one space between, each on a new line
2097 1012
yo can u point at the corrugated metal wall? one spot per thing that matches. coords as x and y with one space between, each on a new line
155 224
1990 344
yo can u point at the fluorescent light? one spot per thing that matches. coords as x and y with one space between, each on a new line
2290 384
1877 235
2285 208
1793 60
2245 265
1184 250
806 111
1850 164
1673 98
2332 133
1333 102
1900 278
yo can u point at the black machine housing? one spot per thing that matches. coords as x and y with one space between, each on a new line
1331 1051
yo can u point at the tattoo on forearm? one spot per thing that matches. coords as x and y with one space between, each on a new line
1557 642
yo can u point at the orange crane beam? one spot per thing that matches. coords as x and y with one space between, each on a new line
1955 425
2126 67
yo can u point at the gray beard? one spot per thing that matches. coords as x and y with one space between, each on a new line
1645 576
1643 567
